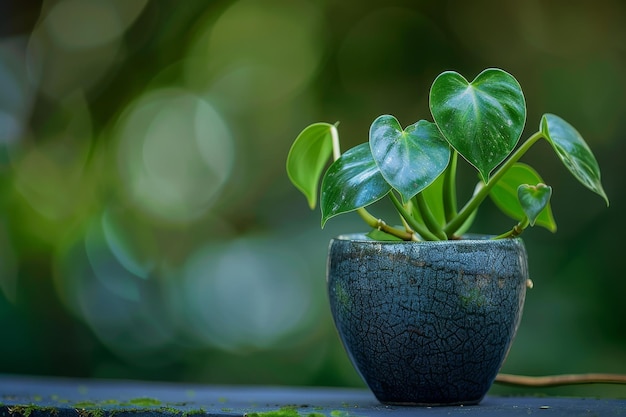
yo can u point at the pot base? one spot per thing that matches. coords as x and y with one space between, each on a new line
414 404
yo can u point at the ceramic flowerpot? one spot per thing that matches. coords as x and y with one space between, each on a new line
427 323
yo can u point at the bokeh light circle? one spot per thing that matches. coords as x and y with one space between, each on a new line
283 44
97 285
17 95
82 24
77 43
247 293
175 153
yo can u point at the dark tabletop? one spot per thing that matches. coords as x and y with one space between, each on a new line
38 396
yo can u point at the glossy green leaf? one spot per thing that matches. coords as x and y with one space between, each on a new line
533 199
307 158
482 120
351 182
408 159
505 195
574 152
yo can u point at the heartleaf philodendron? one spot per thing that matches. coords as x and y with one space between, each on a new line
416 167
482 120
410 159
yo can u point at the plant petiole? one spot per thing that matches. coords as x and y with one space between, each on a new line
449 188
334 136
516 230
429 219
380 224
417 227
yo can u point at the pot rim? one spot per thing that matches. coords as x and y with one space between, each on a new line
467 238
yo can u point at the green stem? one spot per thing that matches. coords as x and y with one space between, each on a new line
410 209
419 228
516 230
379 224
429 220
478 198
449 188
334 137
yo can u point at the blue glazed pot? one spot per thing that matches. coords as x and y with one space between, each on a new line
427 323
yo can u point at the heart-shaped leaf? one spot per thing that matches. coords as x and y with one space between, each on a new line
574 152
308 157
533 199
351 182
411 159
505 195
482 120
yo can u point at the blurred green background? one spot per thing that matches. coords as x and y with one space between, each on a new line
147 227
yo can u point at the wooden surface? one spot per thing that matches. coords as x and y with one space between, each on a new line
38 396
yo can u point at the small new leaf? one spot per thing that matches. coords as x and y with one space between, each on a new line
533 199
505 195
307 158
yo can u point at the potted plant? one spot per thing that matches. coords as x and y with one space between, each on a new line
426 311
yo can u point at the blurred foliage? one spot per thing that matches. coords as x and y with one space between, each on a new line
147 227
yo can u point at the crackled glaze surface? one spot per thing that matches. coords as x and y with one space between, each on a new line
427 322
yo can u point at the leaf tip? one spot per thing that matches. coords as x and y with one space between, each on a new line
604 196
